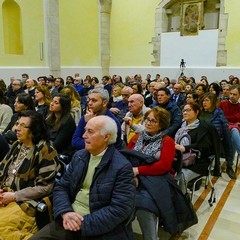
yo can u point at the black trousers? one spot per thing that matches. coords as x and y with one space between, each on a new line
55 231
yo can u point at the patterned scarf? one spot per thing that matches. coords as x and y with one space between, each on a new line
150 145
184 141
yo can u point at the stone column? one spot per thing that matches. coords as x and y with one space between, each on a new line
51 18
105 7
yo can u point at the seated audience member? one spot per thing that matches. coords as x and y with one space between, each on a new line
121 107
84 93
144 85
134 118
149 99
163 100
116 96
214 88
191 80
191 97
137 88
189 88
204 81
59 84
42 80
223 82
153 142
23 102
177 96
95 197
97 105
200 90
75 102
78 84
27 175
231 109
94 81
30 87
215 116
51 86
61 124
225 92
42 98
234 80
69 80
15 89
198 135
107 85
5 112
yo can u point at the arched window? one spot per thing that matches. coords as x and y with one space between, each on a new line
12 27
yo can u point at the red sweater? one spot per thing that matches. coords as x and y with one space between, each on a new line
231 111
164 164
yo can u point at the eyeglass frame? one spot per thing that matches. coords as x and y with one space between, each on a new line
21 125
151 121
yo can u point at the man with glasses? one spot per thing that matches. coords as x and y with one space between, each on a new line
77 83
16 88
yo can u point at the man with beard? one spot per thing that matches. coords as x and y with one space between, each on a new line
96 105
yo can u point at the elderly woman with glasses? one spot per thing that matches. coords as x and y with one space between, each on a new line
27 175
155 143
198 135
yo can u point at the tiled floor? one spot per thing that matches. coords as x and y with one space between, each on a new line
219 222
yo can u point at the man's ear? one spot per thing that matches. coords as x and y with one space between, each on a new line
105 103
107 137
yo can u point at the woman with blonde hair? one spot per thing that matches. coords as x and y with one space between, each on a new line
43 99
71 92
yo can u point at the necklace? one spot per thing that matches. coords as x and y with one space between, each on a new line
22 154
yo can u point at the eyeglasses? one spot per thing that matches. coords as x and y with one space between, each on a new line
189 97
21 125
186 110
151 121
125 95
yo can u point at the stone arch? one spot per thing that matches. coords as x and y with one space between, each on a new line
162 24
12 27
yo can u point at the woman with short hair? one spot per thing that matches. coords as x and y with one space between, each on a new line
197 135
155 143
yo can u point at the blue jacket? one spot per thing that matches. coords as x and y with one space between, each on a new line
175 211
111 197
220 122
78 141
175 117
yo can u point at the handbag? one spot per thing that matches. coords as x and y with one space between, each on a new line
189 158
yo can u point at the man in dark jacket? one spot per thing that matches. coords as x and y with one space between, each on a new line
97 105
95 197
163 100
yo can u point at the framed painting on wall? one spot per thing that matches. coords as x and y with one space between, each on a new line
191 17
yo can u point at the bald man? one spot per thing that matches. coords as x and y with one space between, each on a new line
134 118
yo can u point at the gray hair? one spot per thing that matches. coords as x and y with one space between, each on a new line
103 93
109 127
